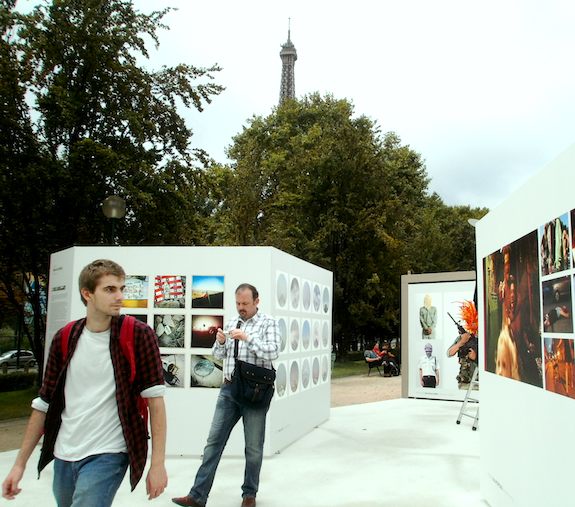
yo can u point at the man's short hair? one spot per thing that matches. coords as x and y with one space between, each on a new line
91 274
247 286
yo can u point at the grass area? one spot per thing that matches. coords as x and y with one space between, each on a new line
15 404
349 368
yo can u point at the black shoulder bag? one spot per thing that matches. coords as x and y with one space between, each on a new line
252 386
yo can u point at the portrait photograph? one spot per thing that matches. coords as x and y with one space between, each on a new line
208 292
204 330
513 312
315 371
306 296
170 291
294 335
282 326
281 290
294 376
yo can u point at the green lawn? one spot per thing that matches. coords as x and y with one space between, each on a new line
348 368
15 404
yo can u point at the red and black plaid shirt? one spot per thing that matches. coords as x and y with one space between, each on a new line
149 373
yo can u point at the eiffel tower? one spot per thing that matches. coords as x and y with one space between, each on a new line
288 55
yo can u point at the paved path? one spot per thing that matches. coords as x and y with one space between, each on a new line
344 391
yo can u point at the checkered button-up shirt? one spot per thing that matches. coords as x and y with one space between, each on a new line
261 347
149 373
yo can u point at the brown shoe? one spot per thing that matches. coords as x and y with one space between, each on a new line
186 501
249 501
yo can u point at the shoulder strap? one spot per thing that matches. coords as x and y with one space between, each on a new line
65 338
127 343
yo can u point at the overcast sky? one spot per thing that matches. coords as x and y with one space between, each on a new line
483 90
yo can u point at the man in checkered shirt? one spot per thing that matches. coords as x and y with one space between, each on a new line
258 338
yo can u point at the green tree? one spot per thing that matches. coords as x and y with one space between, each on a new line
326 186
103 124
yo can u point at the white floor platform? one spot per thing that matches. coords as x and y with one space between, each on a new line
397 453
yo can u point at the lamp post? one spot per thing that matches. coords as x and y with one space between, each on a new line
114 207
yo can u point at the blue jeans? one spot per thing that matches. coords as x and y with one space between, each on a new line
227 414
91 482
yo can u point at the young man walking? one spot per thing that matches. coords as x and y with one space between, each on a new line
87 407
258 341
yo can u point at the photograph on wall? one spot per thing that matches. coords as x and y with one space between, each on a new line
294 334
170 330
315 371
513 312
325 338
294 376
559 366
281 290
305 373
465 347
306 334
325 300
294 293
554 245
281 380
136 292
435 369
316 298
557 305
208 292
324 369
428 317
282 326
204 330
141 317
206 371
306 296
173 366
170 291
428 368
316 333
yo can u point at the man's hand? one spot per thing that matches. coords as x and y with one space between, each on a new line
156 481
10 485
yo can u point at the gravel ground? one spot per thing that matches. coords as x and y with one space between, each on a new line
344 391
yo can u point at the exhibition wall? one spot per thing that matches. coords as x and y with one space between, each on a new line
185 294
427 332
525 268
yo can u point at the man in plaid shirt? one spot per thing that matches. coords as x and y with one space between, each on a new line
87 408
259 342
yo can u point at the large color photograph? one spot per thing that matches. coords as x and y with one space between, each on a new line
170 330
208 292
513 312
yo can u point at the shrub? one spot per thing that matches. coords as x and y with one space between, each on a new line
17 380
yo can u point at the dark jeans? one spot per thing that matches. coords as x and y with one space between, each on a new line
227 414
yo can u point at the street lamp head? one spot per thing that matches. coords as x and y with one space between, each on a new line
114 207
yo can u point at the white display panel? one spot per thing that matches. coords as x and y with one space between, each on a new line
527 405
427 301
185 293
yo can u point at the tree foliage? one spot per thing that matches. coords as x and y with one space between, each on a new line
83 119
317 182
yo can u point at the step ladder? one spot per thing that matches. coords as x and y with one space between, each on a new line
472 410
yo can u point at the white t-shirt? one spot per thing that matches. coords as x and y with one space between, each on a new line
90 420
428 366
